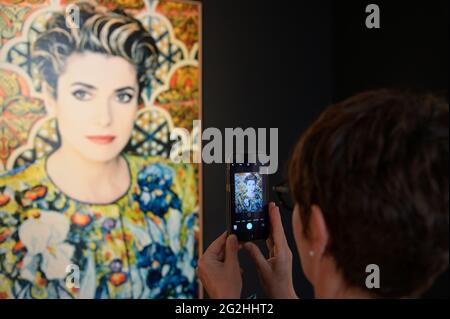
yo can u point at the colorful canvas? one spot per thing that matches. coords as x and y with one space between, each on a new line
145 243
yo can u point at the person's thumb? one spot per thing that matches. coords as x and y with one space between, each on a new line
231 252
257 257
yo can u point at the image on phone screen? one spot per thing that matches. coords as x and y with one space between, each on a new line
247 201
248 192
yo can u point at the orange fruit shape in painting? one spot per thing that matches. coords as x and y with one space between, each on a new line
117 278
81 219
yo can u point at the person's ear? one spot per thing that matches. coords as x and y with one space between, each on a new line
318 231
49 100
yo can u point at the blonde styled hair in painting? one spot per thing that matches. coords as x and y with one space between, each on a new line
111 33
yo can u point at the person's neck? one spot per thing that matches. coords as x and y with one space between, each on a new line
329 284
86 180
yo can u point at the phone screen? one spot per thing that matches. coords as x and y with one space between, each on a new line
248 212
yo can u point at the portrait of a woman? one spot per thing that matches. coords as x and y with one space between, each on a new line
89 221
249 196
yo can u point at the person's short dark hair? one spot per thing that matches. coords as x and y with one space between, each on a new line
249 178
377 164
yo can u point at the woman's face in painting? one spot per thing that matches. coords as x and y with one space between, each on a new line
96 105
251 185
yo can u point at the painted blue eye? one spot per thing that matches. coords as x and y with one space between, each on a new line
124 97
81 95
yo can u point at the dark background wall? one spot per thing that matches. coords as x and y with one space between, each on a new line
270 64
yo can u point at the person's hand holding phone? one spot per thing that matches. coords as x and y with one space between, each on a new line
275 272
219 270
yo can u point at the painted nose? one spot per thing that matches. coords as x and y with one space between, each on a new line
104 117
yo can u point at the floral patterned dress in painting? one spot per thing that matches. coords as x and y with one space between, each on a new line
141 246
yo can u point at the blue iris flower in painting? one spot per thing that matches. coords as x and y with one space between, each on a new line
163 276
155 194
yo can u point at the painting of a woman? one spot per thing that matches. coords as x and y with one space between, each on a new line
89 221
249 196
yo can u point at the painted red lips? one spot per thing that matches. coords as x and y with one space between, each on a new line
101 139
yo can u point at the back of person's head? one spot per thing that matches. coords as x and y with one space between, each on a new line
377 165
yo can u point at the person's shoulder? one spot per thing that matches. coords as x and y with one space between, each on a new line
140 162
26 174
163 171
16 181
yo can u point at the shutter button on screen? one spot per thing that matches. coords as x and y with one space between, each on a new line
249 226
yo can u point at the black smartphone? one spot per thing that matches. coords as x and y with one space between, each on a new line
247 200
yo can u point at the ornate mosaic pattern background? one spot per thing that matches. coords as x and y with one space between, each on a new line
172 100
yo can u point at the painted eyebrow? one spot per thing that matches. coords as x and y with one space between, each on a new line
125 89
88 86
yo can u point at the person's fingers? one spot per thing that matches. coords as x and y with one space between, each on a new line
221 255
277 231
215 250
269 243
257 257
231 252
